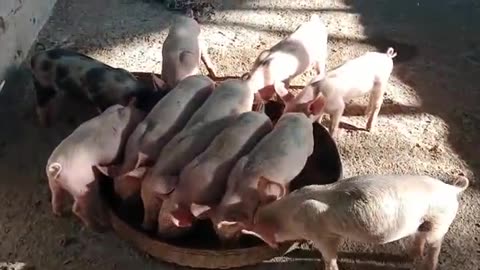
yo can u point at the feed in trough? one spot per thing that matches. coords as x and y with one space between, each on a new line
370 209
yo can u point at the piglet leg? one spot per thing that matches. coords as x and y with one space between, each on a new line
328 247
79 210
206 60
319 67
335 118
375 103
45 97
151 193
431 259
417 246
58 197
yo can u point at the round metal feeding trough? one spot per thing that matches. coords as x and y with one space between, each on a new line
323 167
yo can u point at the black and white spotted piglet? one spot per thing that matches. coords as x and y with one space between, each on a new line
60 70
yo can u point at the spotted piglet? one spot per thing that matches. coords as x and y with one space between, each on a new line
275 161
368 73
78 75
72 166
367 209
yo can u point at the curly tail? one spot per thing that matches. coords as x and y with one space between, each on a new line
461 182
391 52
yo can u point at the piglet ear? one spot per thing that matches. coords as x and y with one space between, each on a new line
269 190
138 172
266 236
110 170
141 160
317 105
181 218
282 92
54 170
158 84
201 211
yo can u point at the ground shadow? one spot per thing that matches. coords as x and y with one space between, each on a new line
89 28
307 259
445 33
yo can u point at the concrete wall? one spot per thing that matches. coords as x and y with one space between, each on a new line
20 22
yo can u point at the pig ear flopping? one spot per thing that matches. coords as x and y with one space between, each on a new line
316 106
141 160
158 84
282 92
269 190
139 172
181 217
201 211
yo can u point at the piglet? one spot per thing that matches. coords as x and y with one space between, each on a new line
72 169
368 73
182 52
165 120
275 161
203 181
82 77
304 48
368 209
230 99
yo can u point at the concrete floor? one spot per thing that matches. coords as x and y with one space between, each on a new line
429 122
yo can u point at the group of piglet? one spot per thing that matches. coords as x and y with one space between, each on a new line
194 149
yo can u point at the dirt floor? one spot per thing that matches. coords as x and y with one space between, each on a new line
429 123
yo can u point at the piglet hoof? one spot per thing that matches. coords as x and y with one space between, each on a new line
370 129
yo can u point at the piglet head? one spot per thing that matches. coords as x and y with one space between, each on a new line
264 231
172 220
305 102
269 190
126 186
230 230
232 216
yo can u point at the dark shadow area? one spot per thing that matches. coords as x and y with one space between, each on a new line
90 28
444 31
307 259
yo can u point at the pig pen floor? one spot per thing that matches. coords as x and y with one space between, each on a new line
429 123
